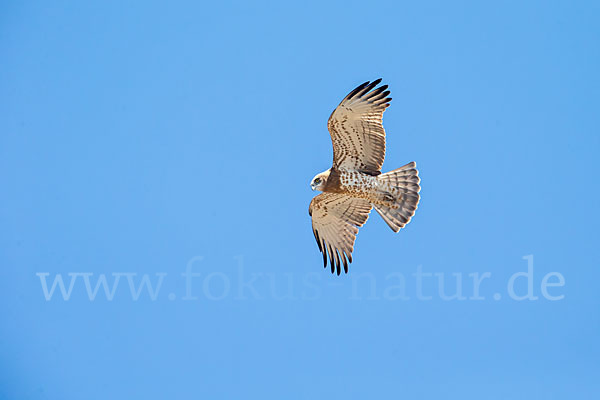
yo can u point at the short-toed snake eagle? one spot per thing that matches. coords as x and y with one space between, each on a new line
355 184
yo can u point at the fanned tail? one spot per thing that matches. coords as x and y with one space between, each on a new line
404 183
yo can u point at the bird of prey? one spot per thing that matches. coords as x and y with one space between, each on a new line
355 184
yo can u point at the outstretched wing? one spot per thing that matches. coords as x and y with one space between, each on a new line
335 222
356 129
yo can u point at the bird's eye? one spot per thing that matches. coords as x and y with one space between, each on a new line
317 181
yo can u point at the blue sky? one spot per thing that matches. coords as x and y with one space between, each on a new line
147 140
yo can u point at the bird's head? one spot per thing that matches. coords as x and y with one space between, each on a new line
319 181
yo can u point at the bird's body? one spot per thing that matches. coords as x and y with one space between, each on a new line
360 185
355 184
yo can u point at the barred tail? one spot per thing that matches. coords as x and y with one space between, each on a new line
404 182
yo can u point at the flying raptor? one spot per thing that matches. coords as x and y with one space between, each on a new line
355 184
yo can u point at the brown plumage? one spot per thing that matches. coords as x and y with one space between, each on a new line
355 184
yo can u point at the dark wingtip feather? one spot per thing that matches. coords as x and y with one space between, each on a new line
316 234
375 94
367 89
329 250
357 89
379 97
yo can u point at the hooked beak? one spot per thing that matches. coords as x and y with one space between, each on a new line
312 186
